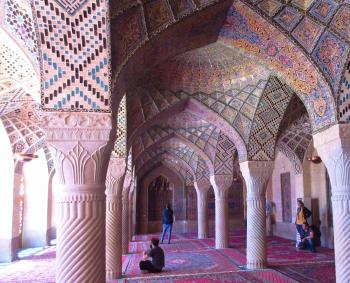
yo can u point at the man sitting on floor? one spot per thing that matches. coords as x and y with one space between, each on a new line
307 238
157 255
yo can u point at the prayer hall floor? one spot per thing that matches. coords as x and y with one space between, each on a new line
188 259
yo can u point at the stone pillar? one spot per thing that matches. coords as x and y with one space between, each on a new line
131 209
125 213
80 149
221 185
256 175
202 187
114 188
333 146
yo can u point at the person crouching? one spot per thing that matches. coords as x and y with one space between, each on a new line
156 253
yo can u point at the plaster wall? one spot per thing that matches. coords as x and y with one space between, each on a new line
310 186
35 208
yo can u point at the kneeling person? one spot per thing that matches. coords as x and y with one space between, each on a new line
157 255
308 237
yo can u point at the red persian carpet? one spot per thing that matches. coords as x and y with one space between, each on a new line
191 260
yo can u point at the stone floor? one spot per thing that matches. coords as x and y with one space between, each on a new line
191 260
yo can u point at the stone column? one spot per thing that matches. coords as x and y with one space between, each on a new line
221 185
80 149
202 187
256 175
114 188
131 209
125 213
333 146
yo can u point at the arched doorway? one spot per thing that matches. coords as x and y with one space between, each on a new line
160 193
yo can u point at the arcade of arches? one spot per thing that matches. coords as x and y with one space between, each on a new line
111 109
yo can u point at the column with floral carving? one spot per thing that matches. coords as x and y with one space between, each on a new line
256 175
80 149
221 185
333 146
125 213
202 187
114 188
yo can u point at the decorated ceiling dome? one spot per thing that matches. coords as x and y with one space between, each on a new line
214 67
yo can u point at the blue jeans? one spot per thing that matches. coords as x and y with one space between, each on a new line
165 228
310 245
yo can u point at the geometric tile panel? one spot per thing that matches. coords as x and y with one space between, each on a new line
269 114
224 157
307 33
344 97
341 22
129 32
295 140
13 100
120 145
158 14
276 49
288 18
224 67
330 54
18 20
182 7
270 7
22 126
323 10
75 55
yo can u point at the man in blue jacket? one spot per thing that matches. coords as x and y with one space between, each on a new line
168 219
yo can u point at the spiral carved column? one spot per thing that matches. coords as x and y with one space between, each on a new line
256 175
125 214
221 185
202 187
114 187
80 149
131 209
333 146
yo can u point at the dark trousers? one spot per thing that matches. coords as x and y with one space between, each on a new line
300 230
147 265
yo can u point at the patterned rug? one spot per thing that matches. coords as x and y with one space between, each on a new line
191 260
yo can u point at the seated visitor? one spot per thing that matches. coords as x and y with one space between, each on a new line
307 238
157 255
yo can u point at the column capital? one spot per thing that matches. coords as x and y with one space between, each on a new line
115 176
76 126
333 146
221 184
256 175
126 185
202 185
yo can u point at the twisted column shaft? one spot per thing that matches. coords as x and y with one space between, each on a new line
221 223
113 237
333 145
256 175
80 147
131 208
221 185
125 226
114 188
202 212
80 237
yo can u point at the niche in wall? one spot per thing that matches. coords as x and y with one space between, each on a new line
160 193
286 197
